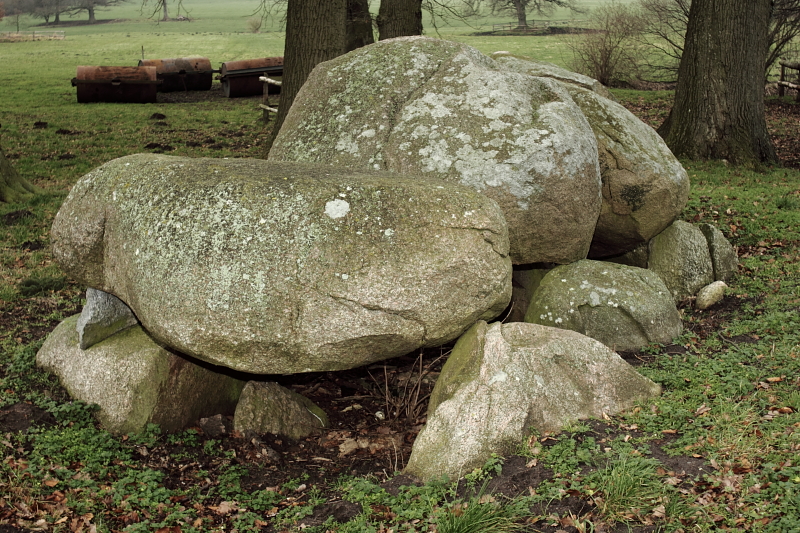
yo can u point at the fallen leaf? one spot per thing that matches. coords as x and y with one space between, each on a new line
224 507
774 380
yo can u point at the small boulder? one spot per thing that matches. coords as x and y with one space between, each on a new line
621 306
266 407
723 254
681 258
278 268
501 380
103 315
135 381
710 294
436 108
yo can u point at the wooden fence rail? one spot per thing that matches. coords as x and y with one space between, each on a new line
535 25
48 35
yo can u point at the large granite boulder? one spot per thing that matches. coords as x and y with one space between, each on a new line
645 187
501 380
621 306
135 381
442 109
271 267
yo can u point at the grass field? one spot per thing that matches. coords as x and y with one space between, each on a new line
717 451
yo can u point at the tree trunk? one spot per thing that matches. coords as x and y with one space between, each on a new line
166 14
13 188
315 31
397 18
522 15
719 100
359 25
57 20
90 9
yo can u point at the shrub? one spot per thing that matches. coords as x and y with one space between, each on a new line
610 51
254 24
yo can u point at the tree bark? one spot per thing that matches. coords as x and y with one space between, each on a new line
315 32
166 13
359 25
397 18
13 188
718 111
92 19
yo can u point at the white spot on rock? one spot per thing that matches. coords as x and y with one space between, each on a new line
337 209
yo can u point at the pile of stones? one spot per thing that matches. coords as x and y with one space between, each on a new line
417 191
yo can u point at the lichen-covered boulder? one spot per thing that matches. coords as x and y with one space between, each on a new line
271 267
266 407
135 381
442 109
621 306
645 187
681 258
501 380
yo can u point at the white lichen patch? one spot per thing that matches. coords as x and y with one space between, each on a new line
337 208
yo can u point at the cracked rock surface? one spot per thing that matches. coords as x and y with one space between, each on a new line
271 268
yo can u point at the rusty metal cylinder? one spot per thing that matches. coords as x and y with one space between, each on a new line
192 73
116 84
240 78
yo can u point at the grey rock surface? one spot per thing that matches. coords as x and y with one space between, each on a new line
645 187
266 407
503 379
543 69
135 381
103 315
621 306
710 295
681 258
723 254
442 109
270 267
